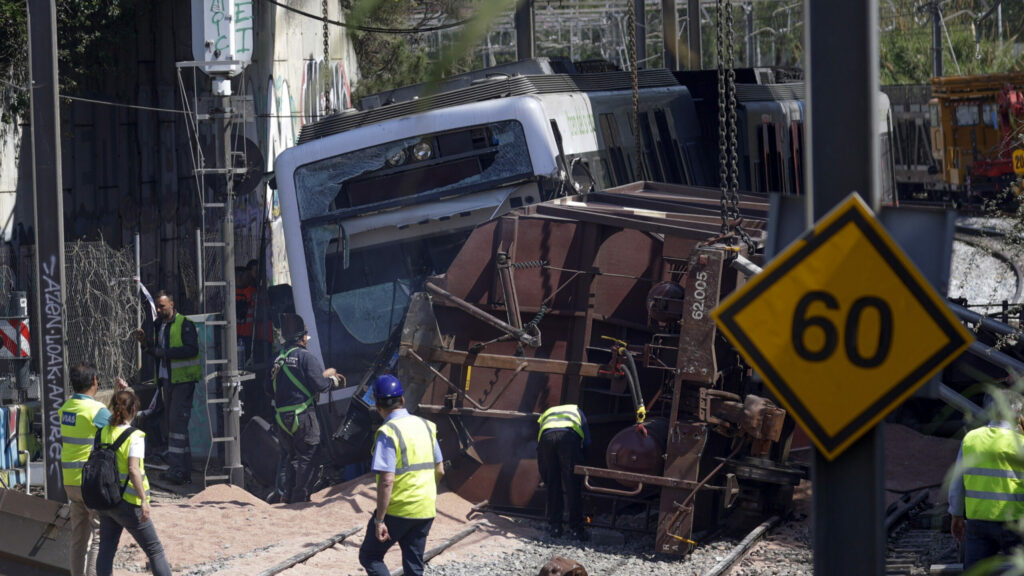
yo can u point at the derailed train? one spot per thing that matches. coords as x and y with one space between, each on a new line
451 238
600 301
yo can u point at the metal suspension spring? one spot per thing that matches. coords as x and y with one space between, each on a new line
529 264
540 316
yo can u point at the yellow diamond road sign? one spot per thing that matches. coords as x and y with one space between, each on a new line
842 327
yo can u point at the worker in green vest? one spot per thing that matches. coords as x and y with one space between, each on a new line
562 437
407 460
297 379
986 494
80 417
174 346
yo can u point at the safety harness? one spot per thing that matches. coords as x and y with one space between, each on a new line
294 408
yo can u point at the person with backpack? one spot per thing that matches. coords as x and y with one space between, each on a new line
80 417
296 380
132 512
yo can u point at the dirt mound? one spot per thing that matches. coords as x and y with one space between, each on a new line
224 493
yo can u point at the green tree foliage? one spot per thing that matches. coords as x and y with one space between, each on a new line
967 47
392 60
86 37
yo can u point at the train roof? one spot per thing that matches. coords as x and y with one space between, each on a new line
502 86
979 85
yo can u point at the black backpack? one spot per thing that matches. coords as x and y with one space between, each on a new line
102 488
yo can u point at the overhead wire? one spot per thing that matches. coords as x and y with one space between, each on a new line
139 107
373 29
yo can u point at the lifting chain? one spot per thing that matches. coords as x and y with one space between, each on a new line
728 162
635 67
325 70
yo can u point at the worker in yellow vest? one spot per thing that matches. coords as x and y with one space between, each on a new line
80 417
561 440
132 513
986 495
174 345
407 460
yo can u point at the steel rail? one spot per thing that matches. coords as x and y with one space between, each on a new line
904 508
445 545
741 549
309 552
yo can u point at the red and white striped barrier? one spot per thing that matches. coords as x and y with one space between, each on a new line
14 336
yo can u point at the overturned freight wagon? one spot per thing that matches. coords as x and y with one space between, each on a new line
602 301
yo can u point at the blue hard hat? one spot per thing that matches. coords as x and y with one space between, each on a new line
387 386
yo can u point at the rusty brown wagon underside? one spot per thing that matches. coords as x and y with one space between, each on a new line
540 308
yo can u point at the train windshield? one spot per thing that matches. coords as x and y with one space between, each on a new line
362 213
413 170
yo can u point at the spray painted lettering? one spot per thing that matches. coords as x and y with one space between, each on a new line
219 17
243 28
53 357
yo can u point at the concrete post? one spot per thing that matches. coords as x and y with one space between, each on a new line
49 225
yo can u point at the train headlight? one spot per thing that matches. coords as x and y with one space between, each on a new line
396 157
422 151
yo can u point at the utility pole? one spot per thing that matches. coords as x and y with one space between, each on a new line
693 34
640 33
222 51
936 39
670 34
231 385
524 30
842 156
48 315
748 9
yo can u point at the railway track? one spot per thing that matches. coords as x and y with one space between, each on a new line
916 542
987 242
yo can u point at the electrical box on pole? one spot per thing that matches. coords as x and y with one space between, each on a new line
222 34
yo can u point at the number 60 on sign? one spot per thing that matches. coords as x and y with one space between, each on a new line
842 327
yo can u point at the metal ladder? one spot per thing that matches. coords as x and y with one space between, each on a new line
222 378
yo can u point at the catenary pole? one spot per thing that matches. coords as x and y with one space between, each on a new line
843 157
524 29
670 34
48 314
231 381
936 39
693 34
641 33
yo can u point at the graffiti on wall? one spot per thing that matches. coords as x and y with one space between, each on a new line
313 102
281 129
285 115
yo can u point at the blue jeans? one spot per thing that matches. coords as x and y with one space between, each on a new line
127 517
411 535
985 539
